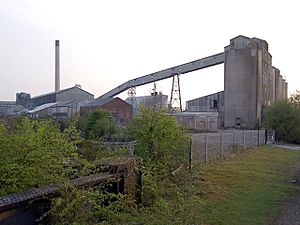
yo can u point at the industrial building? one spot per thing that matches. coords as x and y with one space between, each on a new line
158 101
121 111
251 84
69 94
62 105
213 103
198 121
11 108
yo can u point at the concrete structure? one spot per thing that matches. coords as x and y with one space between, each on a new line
24 100
41 111
57 66
251 84
158 101
63 112
210 103
198 121
11 108
120 110
66 111
248 82
69 94
67 104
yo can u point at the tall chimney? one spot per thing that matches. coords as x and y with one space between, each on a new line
57 69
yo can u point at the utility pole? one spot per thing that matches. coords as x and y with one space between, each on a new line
175 100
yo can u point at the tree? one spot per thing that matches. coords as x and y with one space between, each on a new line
295 99
36 153
160 139
97 124
284 118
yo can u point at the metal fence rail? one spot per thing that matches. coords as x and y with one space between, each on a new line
213 146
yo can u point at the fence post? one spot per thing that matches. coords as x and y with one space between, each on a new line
233 138
221 143
244 140
190 155
206 148
251 139
257 137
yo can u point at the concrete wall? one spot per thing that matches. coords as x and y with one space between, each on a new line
44 99
158 101
280 87
70 94
286 90
209 103
241 66
249 82
65 112
198 121
10 108
273 72
283 89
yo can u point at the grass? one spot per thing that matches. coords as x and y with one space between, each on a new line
246 188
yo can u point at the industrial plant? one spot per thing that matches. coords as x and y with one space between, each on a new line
251 84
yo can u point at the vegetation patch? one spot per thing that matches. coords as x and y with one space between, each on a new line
244 189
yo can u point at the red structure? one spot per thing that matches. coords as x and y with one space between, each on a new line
120 110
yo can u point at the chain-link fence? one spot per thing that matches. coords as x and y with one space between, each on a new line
213 146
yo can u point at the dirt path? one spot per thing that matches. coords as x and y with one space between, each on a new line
290 209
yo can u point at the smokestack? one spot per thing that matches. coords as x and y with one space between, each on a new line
57 69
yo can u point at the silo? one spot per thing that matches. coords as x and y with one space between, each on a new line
277 85
241 82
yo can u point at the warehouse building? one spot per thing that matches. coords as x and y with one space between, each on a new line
69 94
159 101
62 105
198 121
121 111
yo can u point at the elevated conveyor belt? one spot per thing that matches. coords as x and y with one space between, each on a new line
167 73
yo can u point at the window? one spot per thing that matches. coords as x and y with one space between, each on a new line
215 104
238 122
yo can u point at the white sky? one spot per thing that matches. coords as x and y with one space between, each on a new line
105 43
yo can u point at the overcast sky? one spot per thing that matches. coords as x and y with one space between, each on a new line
105 43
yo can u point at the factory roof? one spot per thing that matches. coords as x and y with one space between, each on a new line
42 107
8 103
99 101
220 92
240 36
60 91
66 103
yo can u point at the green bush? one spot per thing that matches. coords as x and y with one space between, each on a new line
97 124
160 139
36 153
284 118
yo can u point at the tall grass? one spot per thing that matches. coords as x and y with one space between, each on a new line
246 188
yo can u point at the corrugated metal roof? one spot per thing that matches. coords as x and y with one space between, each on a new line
60 91
42 107
66 103
98 102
